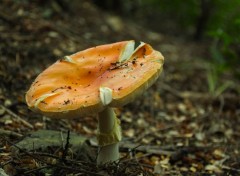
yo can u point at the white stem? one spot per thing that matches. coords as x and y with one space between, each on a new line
106 125
108 153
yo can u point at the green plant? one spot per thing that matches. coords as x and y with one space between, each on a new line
215 87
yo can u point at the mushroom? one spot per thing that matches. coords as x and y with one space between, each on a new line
94 81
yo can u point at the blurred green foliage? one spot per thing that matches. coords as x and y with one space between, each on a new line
217 21
180 12
224 30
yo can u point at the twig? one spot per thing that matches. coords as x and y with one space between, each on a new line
196 95
65 151
2 172
10 133
171 90
136 158
37 169
148 149
230 168
165 150
62 140
132 151
21 150
80 163
16 116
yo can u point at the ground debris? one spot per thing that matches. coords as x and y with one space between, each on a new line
51 161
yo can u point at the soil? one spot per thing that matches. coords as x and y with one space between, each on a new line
182 125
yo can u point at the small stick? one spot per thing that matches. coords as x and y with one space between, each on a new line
17 117
62 140
10 133
2 172
66 146
37 169
230 168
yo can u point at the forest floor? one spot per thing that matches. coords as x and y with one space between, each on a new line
185 124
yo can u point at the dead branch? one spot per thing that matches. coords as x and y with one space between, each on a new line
66 147
17 117
158 150
196 95
10 133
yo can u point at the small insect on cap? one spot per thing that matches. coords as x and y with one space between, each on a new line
88 81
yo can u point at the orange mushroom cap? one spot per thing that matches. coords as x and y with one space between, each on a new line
85 82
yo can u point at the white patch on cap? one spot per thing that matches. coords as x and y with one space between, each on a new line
105 95
127 51
139 46
42 98
68 59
